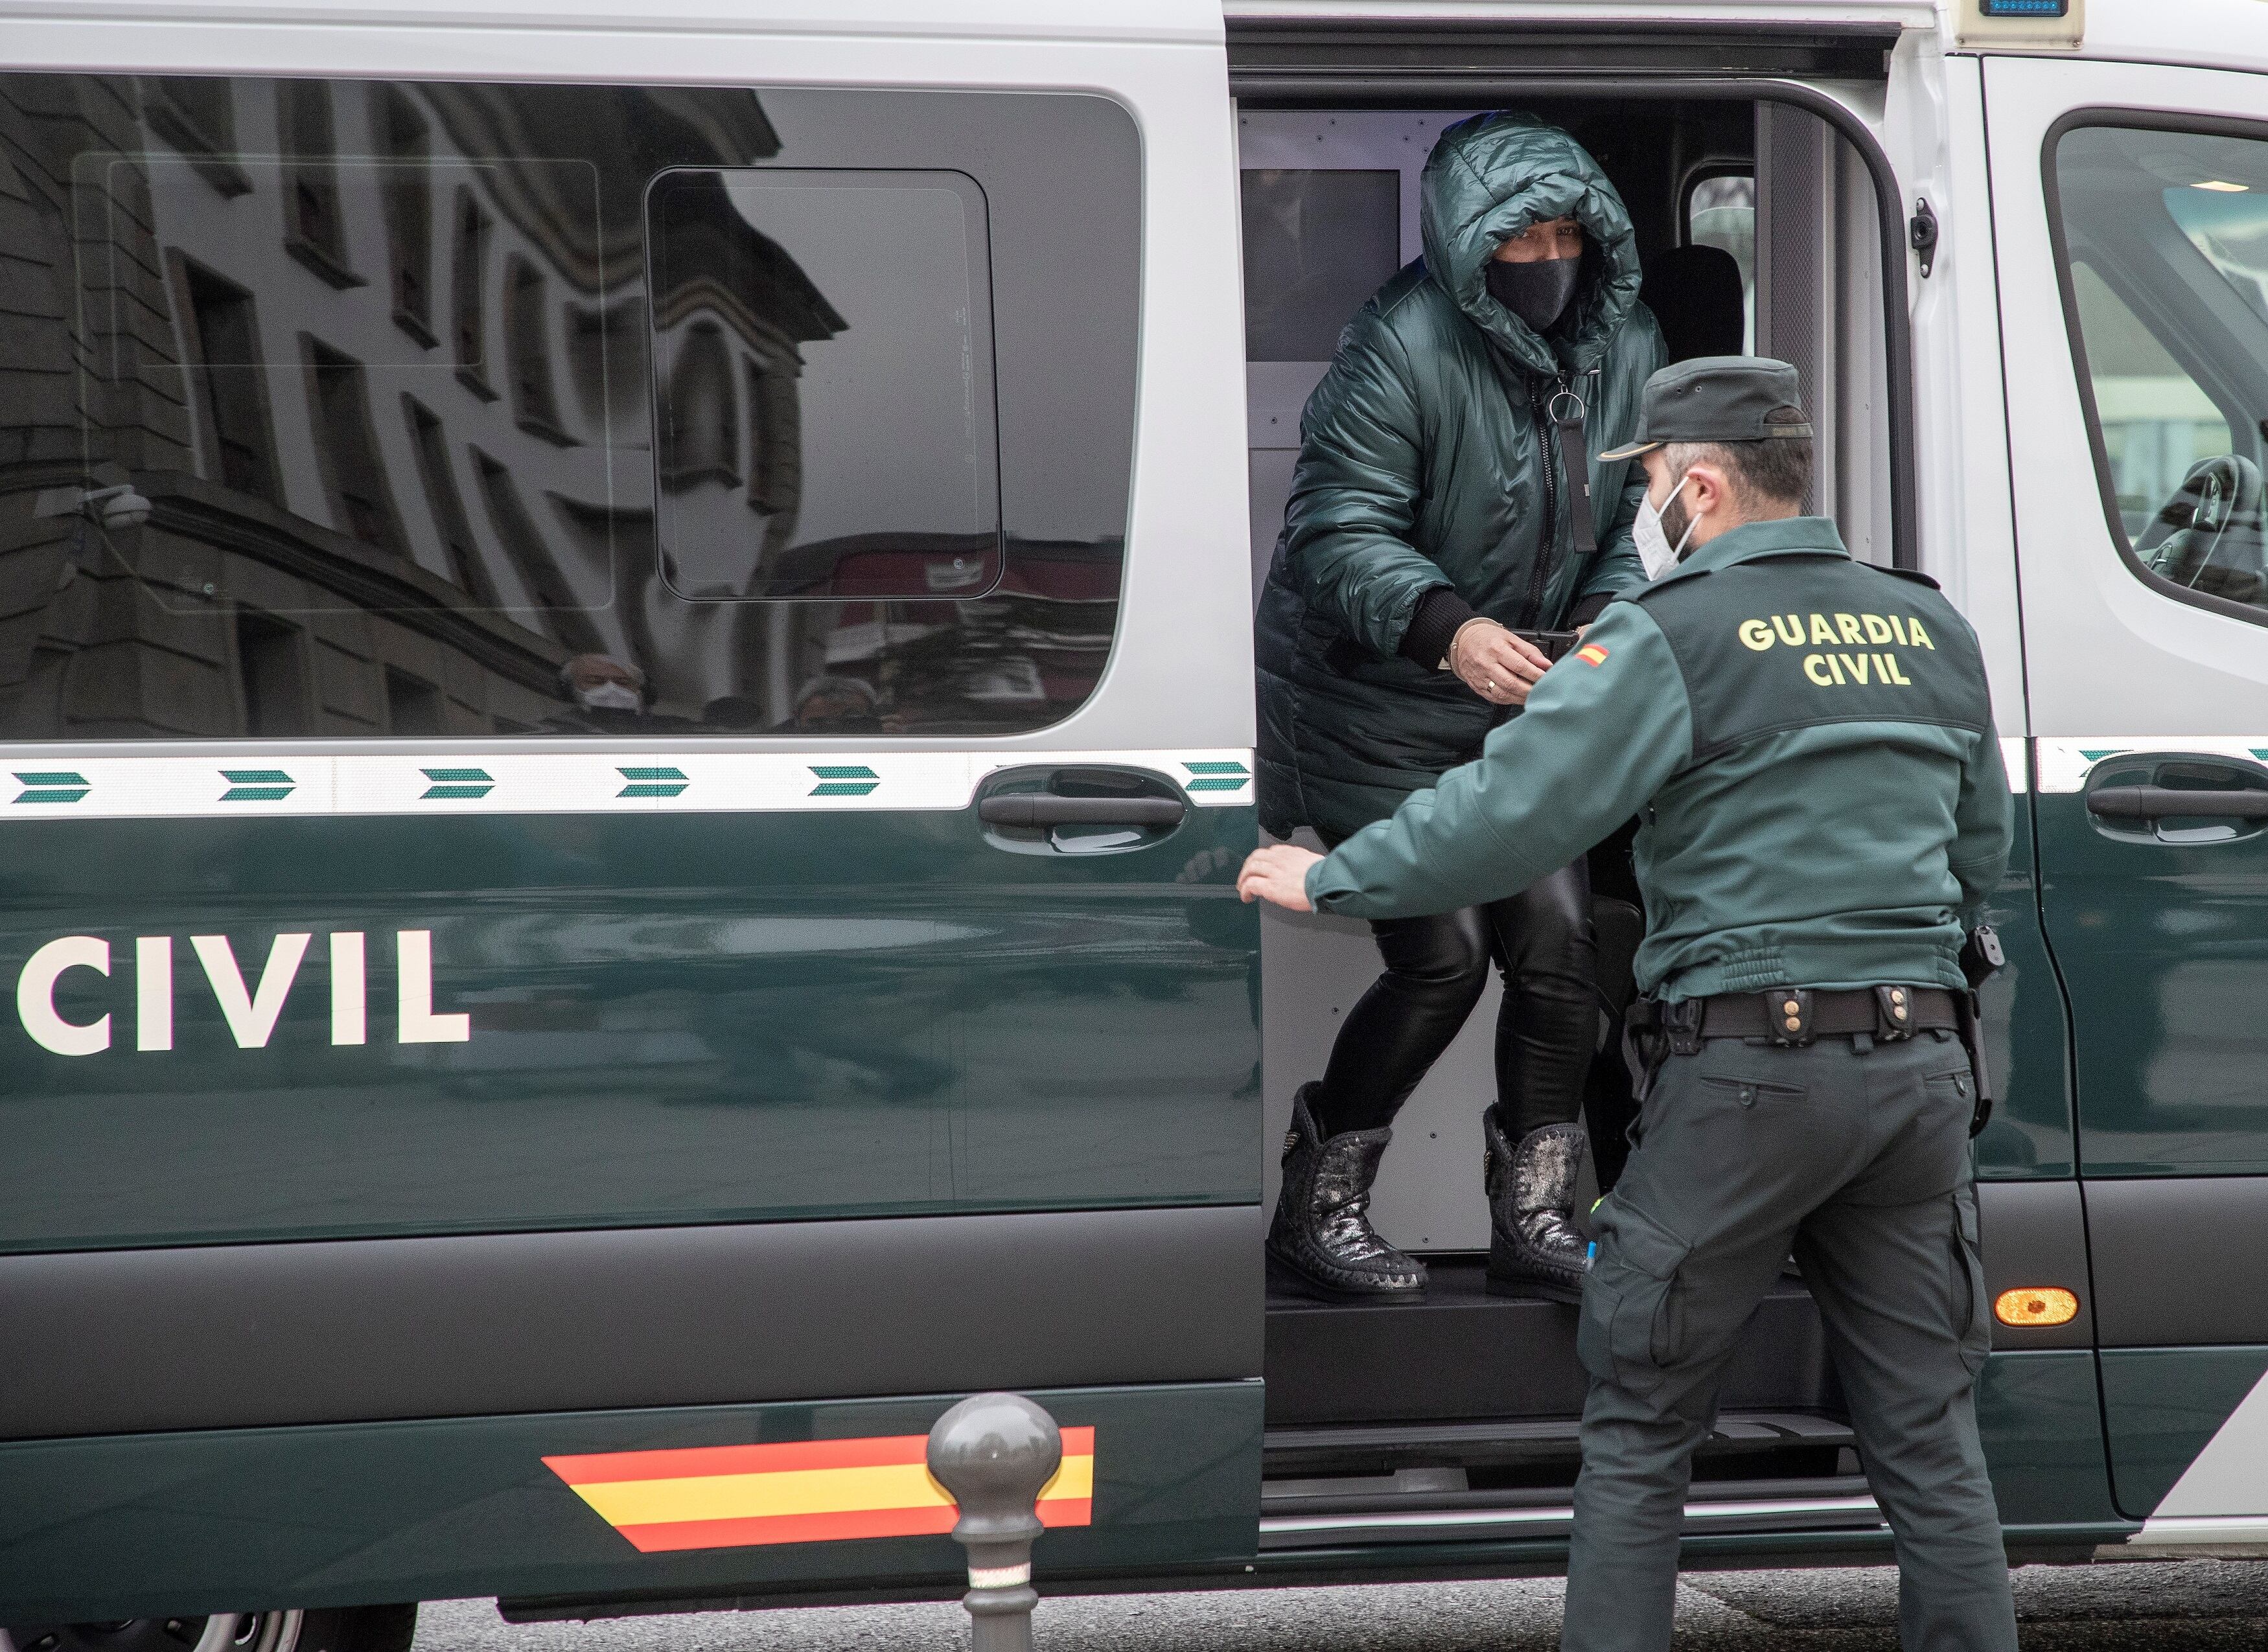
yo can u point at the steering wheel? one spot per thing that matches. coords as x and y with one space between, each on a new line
2207 536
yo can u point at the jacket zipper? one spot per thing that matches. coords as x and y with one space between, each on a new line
1546 554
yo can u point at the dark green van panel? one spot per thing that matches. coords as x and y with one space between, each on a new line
2042 1425
675 1017
236 1520
2025 1033
2163 946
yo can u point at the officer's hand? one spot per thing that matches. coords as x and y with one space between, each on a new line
1494 663
1277 874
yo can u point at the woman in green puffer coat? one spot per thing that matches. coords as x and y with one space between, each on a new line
1430 518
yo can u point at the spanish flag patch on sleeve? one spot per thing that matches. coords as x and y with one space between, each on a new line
736 1496
1591 654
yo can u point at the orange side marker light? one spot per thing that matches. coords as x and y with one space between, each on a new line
2035 1307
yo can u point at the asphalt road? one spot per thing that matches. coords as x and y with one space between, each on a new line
2165 1606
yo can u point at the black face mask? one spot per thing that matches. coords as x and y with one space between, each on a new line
1537 293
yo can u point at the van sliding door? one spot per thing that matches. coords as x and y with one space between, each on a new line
605 741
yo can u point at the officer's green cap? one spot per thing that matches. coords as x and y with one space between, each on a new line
1716 399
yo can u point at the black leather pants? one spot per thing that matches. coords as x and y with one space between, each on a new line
1435 971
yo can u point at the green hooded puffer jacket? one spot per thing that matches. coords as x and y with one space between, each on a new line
1426 460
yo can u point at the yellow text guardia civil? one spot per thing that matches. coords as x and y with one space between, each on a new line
1839 631
1847 630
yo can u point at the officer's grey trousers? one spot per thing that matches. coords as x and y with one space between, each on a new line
1857 1163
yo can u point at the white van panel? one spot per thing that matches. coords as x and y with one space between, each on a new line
1195 21
1968 525
2211 33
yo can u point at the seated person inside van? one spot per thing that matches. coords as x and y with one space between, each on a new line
1431 522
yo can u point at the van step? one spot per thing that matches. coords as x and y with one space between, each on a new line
1831 1503
1291 1453
1508 1464
1461 1353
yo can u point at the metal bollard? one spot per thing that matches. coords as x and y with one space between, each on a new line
994 1453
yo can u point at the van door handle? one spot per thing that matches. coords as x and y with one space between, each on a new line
2156 803
1046 808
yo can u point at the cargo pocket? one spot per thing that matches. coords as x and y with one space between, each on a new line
1632 1327
1971 1307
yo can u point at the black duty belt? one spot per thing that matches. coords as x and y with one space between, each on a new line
1792 1016
1798 1015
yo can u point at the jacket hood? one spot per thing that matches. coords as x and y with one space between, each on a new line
1492 176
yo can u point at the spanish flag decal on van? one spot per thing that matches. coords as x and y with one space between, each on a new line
1591 654
737 1496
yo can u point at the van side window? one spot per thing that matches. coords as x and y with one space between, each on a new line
2163 241
807 411
1317 243
1720 213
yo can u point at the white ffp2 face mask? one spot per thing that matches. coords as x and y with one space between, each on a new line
620 696
1653 547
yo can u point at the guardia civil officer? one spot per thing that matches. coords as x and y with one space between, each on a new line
1808 742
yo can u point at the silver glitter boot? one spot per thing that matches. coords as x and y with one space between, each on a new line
1535 1247
1323 1231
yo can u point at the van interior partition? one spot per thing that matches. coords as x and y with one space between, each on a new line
1760 230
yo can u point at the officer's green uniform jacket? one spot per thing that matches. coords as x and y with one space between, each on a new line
1424 463
1808 740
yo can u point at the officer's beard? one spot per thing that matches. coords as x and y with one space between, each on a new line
1676 522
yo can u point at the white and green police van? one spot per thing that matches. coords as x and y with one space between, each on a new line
626 723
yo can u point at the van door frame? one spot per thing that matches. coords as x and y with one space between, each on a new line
1280 64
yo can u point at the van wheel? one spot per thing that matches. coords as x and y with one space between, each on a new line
349 1629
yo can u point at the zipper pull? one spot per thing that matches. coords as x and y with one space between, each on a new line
1567 406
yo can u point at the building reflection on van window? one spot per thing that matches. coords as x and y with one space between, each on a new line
405 138
853 306
313 215
419 439
2166 237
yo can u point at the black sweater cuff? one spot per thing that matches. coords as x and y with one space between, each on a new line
1589 609
1433 625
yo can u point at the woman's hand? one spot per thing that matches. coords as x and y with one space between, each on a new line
1494 663
1278 875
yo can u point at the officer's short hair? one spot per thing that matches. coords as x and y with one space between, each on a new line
1773 472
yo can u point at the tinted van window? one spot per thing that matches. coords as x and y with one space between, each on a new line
427 456
823 357
2165 245
1317 243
